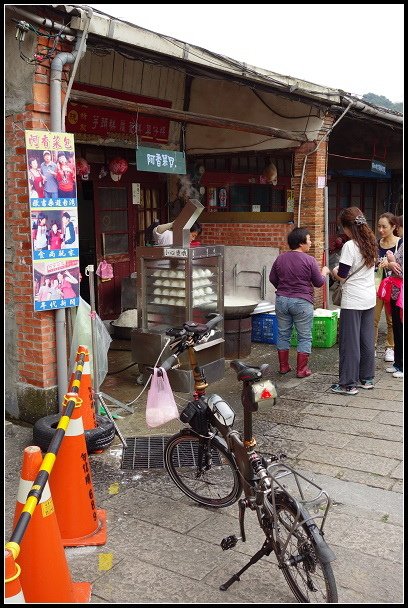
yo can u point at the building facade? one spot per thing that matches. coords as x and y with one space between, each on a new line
263 152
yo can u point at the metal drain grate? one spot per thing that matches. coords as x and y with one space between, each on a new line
148 453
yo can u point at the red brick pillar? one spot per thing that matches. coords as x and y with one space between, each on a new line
310 175
31 378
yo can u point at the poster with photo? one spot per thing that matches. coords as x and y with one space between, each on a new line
51 175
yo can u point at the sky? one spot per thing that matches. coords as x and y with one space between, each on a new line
361 46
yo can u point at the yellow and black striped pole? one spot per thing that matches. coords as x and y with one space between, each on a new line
71 400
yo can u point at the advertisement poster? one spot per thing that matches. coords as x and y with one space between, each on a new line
51 175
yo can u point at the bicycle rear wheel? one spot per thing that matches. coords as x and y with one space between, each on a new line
218 486
310 580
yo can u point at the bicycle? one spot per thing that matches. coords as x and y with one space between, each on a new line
224 465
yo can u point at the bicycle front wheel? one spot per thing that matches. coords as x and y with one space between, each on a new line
310 580
214 485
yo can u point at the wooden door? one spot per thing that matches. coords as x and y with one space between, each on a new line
120 223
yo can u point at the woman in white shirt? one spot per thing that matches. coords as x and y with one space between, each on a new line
356 333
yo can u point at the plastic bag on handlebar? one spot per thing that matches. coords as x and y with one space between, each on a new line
161 406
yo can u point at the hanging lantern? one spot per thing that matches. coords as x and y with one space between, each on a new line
270 173
83 168
117 167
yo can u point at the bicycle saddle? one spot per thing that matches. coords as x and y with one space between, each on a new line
248 372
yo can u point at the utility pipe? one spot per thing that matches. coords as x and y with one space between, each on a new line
52 25
366 109
326 241
57 125
325 136
80 54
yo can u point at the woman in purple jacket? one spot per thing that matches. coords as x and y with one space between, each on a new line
295 274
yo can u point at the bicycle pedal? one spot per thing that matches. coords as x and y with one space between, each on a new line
229 542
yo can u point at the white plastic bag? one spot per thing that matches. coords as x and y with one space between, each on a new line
82 336
161 406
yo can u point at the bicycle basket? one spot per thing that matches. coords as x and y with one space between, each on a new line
221 410
195 414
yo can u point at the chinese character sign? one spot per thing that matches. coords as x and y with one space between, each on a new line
160 161
51 175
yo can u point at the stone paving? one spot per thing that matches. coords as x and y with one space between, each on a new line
163 548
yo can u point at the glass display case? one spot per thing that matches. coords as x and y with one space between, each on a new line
175 285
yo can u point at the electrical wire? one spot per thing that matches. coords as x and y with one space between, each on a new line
38 57
149 378
255 92
121 370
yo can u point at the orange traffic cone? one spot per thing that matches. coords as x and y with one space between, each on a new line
80 522
13 593
45 577
85 390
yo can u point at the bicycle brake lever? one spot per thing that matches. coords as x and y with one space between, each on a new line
206 337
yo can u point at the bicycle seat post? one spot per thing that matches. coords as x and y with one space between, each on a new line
249 440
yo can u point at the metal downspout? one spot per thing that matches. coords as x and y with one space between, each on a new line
57 124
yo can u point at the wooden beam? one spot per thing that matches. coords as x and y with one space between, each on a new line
182 116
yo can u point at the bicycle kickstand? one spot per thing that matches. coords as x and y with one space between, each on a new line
266 549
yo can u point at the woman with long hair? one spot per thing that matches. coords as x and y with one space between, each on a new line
389 241
356 332
396 265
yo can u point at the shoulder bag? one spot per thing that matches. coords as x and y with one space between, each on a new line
338 288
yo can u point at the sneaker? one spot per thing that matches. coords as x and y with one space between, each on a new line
391 369
398 374
343 390
389 355
367 384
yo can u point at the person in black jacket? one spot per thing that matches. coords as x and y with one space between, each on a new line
68 232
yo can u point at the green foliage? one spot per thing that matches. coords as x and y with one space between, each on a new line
380 100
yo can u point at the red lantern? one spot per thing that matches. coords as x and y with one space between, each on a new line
117 167
83 168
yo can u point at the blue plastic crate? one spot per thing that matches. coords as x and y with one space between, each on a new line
264 328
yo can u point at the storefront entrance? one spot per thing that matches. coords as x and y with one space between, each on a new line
113 216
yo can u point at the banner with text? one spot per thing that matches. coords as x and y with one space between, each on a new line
51 175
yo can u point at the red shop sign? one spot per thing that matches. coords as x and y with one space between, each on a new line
97 120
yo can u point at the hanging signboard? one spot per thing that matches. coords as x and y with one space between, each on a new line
101 120
51 174
160 161
94 120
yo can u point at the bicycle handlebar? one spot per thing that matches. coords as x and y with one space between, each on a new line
190 329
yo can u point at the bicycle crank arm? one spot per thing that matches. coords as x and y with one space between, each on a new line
242 506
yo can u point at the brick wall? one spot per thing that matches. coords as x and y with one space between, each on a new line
31 349
253 235
312 164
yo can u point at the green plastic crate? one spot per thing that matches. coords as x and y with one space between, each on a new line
324 331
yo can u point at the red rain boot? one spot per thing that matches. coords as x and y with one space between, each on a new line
284 366
302 370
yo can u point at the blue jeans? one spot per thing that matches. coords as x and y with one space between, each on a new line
297 312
